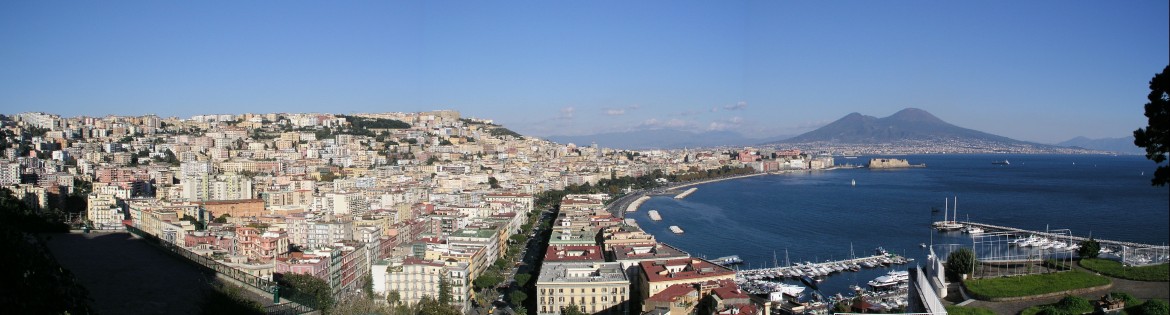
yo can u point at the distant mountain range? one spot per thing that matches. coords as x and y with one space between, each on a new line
914 130
911 129
907 124
662 139
1120 145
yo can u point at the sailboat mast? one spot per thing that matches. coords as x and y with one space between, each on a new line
956 216
946 208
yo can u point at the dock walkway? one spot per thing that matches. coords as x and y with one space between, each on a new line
991 227
819 269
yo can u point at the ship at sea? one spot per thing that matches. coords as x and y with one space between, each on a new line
1004 162
951 224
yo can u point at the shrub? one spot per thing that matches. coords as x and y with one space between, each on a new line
959 262
1154 307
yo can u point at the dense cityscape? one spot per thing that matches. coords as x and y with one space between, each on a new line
400 212
386 198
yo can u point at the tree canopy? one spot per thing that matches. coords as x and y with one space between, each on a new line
306 289
1156 136
959 262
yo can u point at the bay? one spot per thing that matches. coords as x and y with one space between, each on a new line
819 215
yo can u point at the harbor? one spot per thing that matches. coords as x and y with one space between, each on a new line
822 269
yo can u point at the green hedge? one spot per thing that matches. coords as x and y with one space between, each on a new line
1117 270
968 310
1033 284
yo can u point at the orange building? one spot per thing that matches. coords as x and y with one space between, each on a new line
235 208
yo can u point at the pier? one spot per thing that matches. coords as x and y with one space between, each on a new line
686 193
822 268
990 228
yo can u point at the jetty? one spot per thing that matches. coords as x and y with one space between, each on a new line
654 215
796 271
1023 232
633 207
686 193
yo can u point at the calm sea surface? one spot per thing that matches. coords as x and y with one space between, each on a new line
817 216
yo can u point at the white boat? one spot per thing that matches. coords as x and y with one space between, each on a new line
949 224
853 183
676 229
890 279
785 289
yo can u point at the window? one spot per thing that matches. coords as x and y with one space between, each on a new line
560 290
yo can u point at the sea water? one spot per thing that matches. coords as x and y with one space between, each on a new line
820 215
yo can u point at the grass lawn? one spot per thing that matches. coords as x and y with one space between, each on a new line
1117 270
967 310
1034 284
1067 305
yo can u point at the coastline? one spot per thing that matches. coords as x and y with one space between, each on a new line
622 209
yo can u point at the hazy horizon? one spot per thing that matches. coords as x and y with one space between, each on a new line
1036 71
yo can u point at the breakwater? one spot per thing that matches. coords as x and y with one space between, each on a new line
633 207
686 193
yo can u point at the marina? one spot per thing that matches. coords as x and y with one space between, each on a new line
686 193
822 269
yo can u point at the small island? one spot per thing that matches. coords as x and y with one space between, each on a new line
883 163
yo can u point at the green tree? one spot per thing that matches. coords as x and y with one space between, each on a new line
306 289
1154 306
487 280
429 306
572 309
493 182
522 278
368 288
959 262
1156 136
393 297
518 297
1089 249
445 296
521 310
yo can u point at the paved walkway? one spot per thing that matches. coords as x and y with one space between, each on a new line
125 275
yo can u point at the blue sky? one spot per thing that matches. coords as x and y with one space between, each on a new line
1041 71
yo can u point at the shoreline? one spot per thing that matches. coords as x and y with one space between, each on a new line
646 194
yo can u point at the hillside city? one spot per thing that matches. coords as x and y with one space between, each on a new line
392 198
403 206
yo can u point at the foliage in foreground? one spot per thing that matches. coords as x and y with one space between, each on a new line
1067 305
306 289
1156 136
968 310
1033 284
959 262
33 281
1117 270
228 299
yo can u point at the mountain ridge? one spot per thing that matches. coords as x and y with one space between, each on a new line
907 124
